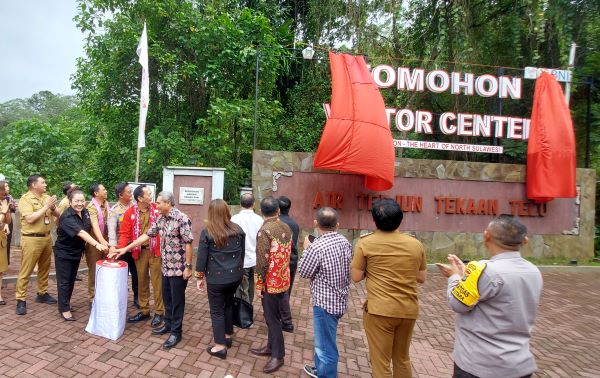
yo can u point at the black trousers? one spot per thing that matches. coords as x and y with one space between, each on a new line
220 299
286 312
460 373
9 240
66 272
173 292
128 258
271 308
293 266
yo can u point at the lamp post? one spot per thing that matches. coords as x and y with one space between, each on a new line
308 52
256 96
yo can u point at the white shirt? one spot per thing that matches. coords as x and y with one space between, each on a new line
250 222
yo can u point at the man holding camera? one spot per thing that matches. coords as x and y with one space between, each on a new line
326 262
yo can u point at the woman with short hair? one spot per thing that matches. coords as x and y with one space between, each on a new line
73 233
220 261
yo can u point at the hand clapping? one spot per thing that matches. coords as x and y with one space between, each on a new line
456 266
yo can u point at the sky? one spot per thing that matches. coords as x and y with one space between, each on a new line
39 45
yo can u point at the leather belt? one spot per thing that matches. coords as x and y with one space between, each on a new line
36 235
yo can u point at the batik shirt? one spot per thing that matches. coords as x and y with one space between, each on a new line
273 248
175 230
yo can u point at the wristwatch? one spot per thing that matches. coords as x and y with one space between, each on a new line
188 266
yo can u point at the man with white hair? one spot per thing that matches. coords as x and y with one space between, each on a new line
496 302
175 229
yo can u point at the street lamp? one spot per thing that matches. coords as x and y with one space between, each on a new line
308 52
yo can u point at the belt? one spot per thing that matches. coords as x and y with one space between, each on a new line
36 235
145 247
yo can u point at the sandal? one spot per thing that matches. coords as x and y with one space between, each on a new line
2 302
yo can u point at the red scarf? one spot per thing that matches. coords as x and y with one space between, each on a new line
137 230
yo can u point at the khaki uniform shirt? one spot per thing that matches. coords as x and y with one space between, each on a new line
113 223
390 261
94 218
62 205
28 205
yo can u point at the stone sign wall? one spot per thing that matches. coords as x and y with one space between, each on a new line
447 204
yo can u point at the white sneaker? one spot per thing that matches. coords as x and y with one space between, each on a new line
310 370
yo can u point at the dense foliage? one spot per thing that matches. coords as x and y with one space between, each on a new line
203 57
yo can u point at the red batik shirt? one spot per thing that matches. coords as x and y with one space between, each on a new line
273 249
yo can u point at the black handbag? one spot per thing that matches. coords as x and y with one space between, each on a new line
243 313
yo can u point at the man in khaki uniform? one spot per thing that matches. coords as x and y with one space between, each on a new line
37 212
392 263
98 209
64 203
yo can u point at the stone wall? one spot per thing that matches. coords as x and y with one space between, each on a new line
269 166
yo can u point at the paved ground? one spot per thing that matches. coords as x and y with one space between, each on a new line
566 337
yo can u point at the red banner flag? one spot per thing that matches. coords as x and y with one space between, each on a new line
357 137
551 157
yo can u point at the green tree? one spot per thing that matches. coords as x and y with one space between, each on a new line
202 62
43 105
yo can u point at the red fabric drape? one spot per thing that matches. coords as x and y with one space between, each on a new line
551 157
357 137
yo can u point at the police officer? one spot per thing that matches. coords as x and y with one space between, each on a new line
496 302
37 217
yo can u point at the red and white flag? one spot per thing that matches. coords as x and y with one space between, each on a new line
142 52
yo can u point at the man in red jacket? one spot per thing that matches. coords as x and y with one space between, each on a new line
136 221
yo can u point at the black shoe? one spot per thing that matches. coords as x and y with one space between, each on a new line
135 303
138 318
156 321
171 341
273 365
264 351
161 330
222 354
288 328
45 298
310 370
21 307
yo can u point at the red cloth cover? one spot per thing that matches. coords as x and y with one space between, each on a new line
357 137
551 149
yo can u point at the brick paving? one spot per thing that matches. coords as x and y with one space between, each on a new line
566 338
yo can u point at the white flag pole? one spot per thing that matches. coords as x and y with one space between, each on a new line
570 68
142 52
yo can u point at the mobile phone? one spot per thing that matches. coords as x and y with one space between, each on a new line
311 238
